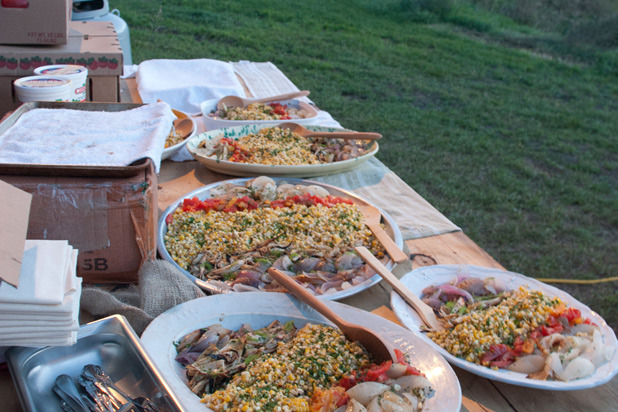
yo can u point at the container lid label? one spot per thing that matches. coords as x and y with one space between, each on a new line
43 82
60 70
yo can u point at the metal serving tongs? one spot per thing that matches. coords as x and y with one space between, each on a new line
424 310
93 374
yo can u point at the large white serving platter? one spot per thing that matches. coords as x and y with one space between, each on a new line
211 123
249 169
261 308
204 193
420 278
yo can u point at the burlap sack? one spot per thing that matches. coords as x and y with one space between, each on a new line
161 287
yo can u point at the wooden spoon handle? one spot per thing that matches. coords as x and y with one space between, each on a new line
424 311
304 295
389 245
347 135
285 96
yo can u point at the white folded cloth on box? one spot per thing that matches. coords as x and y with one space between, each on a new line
88 138
184 84
44 309
52 257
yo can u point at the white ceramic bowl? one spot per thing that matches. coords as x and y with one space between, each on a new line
172 150
211 123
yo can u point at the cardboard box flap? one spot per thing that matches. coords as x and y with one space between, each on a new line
93 44
14 213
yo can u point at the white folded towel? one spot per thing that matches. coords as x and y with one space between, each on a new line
88 138
69 306
45 336
60 340
184 84
36 322
43 275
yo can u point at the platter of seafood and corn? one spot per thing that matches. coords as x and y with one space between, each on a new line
256 150
224 353
511 328
225 236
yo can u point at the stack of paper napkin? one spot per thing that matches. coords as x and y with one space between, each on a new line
43 310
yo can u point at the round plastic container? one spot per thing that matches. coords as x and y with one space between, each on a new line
77 75
42 89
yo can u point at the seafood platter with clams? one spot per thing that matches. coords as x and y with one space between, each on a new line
255 150
511 328
228 234
223 352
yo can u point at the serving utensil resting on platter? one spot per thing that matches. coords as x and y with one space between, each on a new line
183 127
371 218
425 311
303 131
374 344
236 101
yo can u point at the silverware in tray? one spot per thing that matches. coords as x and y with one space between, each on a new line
106 350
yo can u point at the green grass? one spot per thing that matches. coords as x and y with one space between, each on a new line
509 131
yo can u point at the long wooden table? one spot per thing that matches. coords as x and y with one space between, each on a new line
479 394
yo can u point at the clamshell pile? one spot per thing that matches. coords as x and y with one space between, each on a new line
231 239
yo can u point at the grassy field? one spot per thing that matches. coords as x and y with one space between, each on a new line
510 131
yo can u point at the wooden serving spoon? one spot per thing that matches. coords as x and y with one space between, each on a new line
303 131
424 310
236 101
378 348
371 218
183 127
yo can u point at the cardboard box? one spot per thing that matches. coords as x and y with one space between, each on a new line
42 22
93 44
108 213
14 212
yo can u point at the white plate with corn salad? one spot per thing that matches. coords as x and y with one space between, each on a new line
273 155
298 111
484 332
185 237
259 310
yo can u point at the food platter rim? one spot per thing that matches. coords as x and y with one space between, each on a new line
207 105
151 339
376 278
410 320
257 169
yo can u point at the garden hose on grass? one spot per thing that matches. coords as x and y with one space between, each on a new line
578 281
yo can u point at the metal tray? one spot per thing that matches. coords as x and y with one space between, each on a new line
110 343
64 170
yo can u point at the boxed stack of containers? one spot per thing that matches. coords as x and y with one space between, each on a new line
93 44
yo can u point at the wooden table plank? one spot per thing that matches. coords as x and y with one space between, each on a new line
448 249
602 398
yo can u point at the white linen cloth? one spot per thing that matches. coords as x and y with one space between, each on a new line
381 187
184 84
88 138
44 309
43 274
